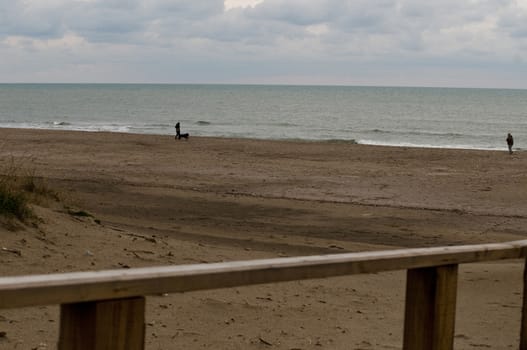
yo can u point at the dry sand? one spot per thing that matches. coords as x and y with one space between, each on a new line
160 201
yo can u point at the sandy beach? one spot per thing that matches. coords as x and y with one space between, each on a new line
154 200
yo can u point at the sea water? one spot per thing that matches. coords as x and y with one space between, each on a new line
396 116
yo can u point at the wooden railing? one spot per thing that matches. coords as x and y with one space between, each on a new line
106 309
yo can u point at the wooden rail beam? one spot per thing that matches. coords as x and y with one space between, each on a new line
21 291
430 308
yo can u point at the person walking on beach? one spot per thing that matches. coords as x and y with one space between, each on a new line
510 142
179 135
178 131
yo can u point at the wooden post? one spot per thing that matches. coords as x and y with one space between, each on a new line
430 308
108 324
523 330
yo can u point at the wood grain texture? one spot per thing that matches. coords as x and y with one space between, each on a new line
430 308
108 324
116 284
523 327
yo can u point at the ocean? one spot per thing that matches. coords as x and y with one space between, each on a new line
393 116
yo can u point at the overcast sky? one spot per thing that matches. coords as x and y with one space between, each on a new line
459 43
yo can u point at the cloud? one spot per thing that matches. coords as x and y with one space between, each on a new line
251 40
230 4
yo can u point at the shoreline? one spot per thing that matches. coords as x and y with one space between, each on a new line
343 141
157 201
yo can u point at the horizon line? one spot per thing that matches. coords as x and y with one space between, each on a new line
265 84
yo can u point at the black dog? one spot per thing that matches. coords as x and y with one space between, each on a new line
183 136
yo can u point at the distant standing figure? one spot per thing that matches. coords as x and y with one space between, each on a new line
178 131
510 142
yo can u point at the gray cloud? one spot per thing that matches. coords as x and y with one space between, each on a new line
276 40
